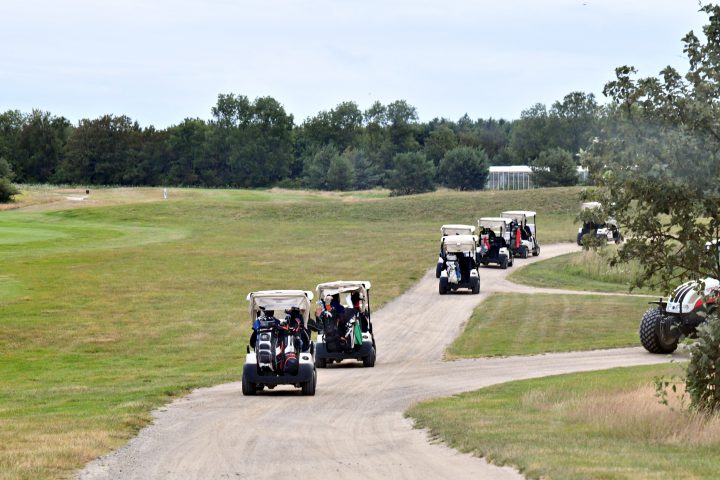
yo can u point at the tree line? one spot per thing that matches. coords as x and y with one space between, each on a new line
256 143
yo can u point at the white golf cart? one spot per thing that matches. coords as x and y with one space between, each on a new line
344 331
523 239
608 230
280 350
494 241
447 230
460 252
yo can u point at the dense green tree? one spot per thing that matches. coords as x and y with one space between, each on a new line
657 163
250 143
367 175
413 173
11 125
186 152
7 189
554 167
98 151
440 140
531 134
317 166
41 147
341 173
464 168
576 120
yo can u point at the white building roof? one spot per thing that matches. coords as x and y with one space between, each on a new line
510 169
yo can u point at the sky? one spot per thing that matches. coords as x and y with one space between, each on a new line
161 61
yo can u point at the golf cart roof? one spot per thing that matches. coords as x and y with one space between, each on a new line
493 222
460 243
587 205
341 286
518 214
280 300
457 229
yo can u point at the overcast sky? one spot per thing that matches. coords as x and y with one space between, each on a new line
160 61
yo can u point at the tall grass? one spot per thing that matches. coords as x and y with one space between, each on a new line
606 425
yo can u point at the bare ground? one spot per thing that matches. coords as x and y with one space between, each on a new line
354 426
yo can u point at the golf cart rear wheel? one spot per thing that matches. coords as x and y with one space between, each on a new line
308 388
504 263
523 252
438 270
655 334
579 239
536 252
443 287
248 388
320 362
475 285
369 361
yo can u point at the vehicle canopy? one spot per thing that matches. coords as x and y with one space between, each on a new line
588 205
279 301
346 286
520 216
457 229
460 243
494 223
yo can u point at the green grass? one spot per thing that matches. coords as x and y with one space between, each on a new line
521 324
585 271
110 312
601 425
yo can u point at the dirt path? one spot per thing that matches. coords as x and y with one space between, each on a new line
354 427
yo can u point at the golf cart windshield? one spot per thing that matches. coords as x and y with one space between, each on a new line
498 224
457 229
520 216
460 243
279 301
348 287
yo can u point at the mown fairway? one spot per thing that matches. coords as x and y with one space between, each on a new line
110 312
521 324
605 425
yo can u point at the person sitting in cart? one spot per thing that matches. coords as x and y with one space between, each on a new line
293 319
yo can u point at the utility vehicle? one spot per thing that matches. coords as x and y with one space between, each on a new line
461 268
344 331
662 326
280 350
446 230
494 238
523 241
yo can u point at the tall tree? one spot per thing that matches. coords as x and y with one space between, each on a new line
576 120
554 167
464 168
41 147
658 163
99 151
250 142
186 152
413 173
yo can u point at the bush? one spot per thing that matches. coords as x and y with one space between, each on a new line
465 168
7 190
703 371
413 173
554 168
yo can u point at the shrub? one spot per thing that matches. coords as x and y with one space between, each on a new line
7 190
703 371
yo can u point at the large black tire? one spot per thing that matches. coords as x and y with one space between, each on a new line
320 362
504 263
523 252
308 388
475 285
443 287
536 252
579 239
511 260
438 270
654 334
248 388
369 361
